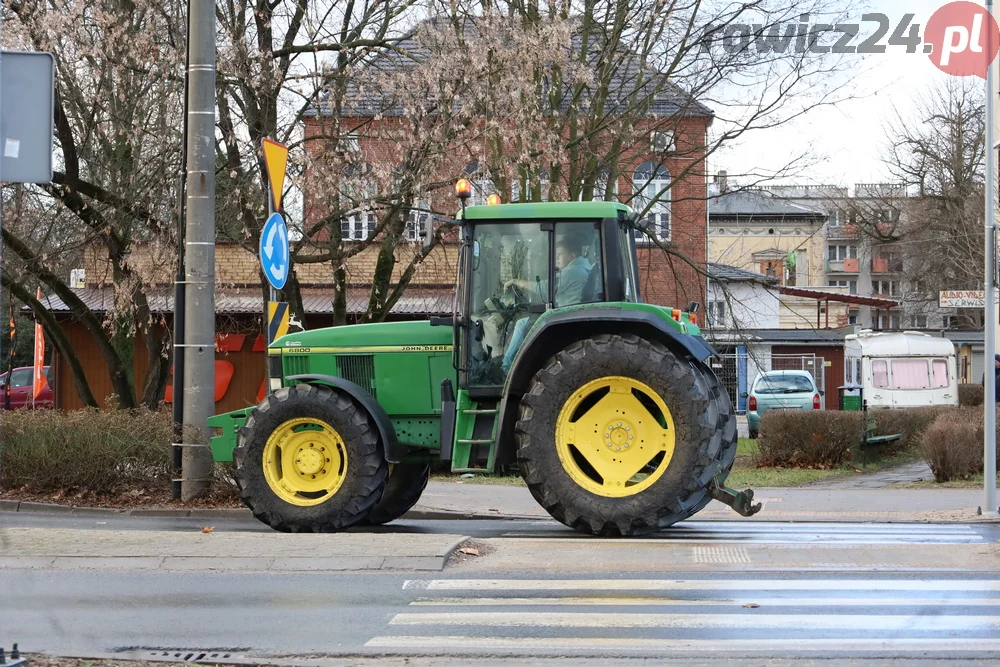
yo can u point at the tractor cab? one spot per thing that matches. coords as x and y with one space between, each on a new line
521 261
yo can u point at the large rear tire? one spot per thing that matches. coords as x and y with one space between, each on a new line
309 459
406 482
619 436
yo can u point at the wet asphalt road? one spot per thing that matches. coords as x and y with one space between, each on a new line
819 615
474 610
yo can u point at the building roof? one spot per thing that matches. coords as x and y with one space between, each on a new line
759 204
414 301
732 274
363 101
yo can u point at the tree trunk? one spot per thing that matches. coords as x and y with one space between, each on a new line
339 296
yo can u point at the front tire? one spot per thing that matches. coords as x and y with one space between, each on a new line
309 459
618 436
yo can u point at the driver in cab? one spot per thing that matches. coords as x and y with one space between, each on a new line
572 270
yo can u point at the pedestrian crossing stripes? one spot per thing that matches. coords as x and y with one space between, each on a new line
851 616
725 532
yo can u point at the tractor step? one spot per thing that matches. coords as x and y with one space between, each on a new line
479 412
488 441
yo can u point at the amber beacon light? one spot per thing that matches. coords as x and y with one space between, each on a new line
463 188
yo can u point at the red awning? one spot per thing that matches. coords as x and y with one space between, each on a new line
820 295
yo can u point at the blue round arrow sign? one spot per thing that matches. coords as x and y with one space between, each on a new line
274 254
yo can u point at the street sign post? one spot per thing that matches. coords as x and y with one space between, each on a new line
275 257
275 252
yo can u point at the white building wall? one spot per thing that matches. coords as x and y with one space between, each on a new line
748 305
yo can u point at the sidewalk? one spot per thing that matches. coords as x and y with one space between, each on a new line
66 548
783 504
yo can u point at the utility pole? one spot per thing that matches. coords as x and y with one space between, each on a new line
990 319
199 251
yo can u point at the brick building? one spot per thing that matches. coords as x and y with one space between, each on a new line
678 219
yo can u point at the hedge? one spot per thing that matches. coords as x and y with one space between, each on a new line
953 444
84 450
970 395
823 438
807 438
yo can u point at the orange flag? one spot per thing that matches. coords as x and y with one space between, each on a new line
39 379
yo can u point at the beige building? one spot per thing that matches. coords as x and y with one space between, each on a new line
756 231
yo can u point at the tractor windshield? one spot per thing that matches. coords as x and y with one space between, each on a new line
516 274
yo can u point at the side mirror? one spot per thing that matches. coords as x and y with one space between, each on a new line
743 394
821 392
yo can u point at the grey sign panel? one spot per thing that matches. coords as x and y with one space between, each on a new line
27 98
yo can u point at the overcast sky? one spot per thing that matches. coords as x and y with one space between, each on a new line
847 141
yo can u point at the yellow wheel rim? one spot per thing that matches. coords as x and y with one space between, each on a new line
305 461
615 436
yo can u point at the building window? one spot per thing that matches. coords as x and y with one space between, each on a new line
838 253
884 287
919 321
851 285
650 184
951 321
852 317
358 226
890 321
418 222
717 314
835 217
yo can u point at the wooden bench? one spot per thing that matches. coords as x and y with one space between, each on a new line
870 441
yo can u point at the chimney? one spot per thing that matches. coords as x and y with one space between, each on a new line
721 181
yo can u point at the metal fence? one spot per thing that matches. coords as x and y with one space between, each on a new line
738 371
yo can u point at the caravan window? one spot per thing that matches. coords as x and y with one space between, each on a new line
940 373
910 374
880 373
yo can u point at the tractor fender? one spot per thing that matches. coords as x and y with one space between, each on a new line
390 443
561 329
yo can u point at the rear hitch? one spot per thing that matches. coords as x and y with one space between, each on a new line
741 501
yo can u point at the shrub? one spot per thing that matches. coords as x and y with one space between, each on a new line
86 450
953 444
970 395
803 438
910 422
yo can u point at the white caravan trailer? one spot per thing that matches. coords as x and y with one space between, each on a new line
901 370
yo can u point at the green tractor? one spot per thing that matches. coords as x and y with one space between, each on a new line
550 363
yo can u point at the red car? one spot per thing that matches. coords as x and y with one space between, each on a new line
20 390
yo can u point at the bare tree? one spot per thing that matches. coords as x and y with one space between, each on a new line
939 150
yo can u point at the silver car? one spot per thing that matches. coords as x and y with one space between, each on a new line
781 390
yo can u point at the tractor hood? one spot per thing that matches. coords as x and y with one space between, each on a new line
368 337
